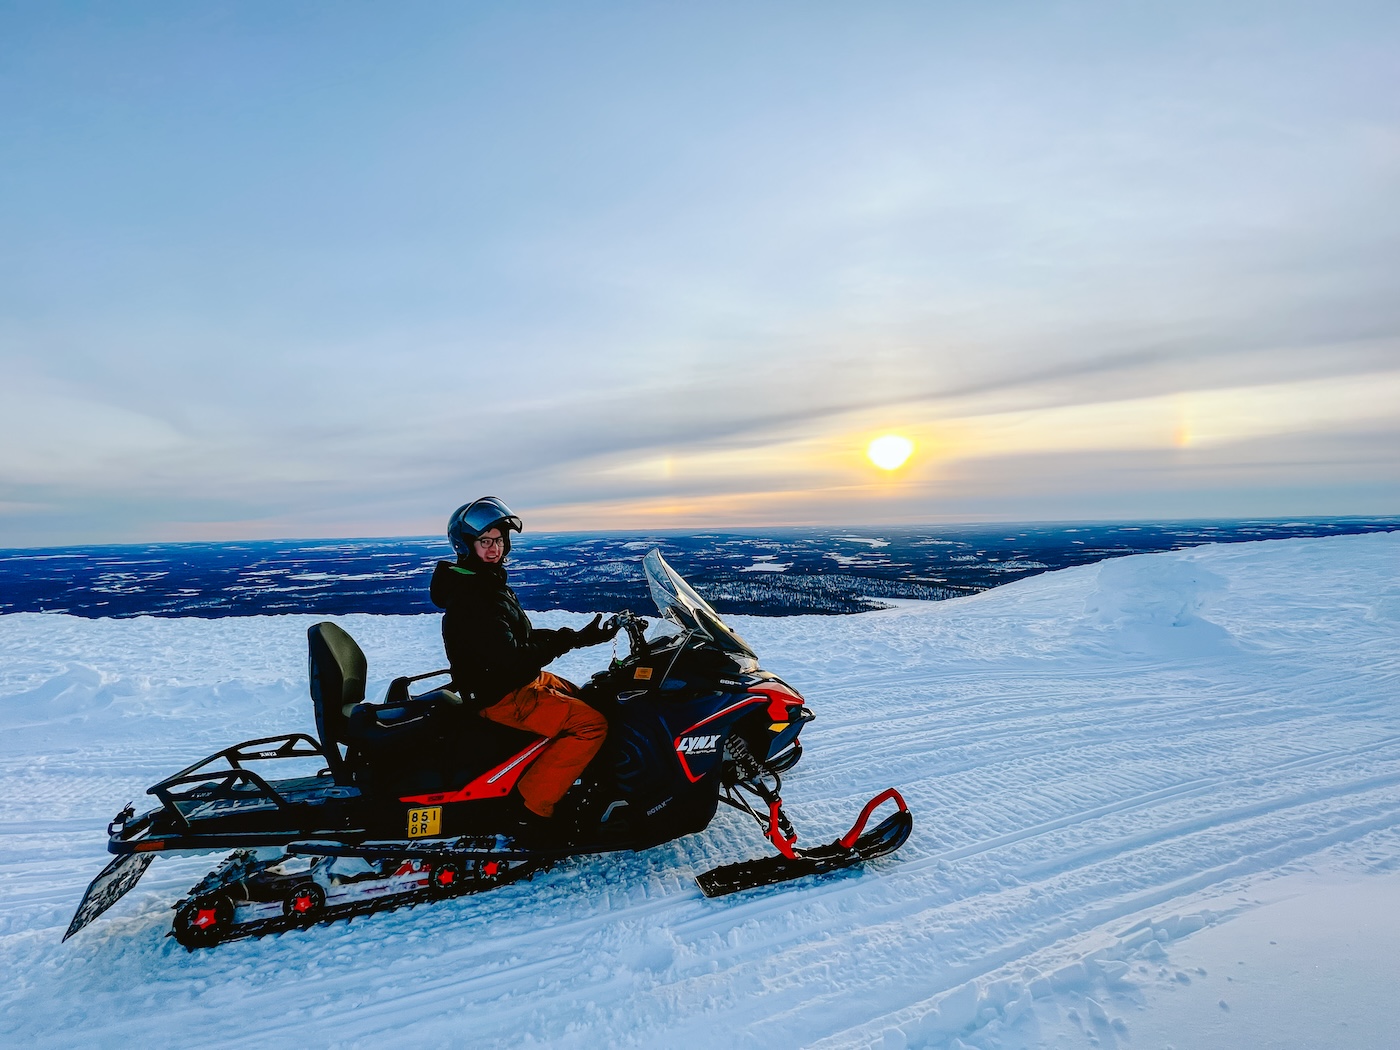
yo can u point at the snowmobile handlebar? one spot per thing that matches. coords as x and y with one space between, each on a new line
635 626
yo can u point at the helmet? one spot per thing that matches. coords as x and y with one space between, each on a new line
472 519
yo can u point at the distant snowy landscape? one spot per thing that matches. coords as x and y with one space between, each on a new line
1156 798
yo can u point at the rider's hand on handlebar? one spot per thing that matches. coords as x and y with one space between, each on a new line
596 632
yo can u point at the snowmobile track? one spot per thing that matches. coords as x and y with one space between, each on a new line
353 909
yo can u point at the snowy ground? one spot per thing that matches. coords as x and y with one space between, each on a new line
1157 804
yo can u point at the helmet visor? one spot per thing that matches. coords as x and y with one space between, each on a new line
488 511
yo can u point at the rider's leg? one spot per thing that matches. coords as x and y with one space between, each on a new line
546 706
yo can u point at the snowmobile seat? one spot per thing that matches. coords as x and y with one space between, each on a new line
337 668
371 724
428 743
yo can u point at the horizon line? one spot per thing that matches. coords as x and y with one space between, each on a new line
733 529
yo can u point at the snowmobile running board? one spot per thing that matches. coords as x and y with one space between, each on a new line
465 848
851 848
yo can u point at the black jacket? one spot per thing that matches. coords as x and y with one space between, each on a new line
490 644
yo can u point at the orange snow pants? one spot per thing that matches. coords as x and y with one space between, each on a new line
550 707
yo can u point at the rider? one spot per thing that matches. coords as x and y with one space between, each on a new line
497 657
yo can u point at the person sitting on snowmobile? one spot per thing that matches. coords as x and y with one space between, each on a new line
497 658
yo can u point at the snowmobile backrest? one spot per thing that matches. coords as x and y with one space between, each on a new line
338 669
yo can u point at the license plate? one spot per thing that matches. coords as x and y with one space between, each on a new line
427 821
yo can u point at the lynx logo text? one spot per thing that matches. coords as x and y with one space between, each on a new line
697 745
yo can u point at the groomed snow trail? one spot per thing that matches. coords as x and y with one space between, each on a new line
1101 761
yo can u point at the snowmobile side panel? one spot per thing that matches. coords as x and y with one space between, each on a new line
111 885
494 783
700 747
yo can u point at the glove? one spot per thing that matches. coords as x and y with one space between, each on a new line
596 632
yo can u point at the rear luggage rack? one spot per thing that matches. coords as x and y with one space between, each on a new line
234 782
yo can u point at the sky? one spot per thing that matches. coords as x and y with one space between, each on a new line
303 270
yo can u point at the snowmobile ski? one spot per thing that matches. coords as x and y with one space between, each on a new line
855 846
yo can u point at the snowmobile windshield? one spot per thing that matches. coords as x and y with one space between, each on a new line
677 602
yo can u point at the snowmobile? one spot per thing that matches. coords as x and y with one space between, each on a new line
408 800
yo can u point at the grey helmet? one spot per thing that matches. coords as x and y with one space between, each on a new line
472 519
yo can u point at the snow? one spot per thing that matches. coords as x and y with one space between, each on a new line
1157 803
766 563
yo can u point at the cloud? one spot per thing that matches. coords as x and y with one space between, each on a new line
340 276
52 436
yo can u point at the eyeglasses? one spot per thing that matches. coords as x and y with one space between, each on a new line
491 541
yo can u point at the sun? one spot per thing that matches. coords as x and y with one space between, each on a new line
890 451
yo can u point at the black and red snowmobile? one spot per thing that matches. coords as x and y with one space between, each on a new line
408 800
